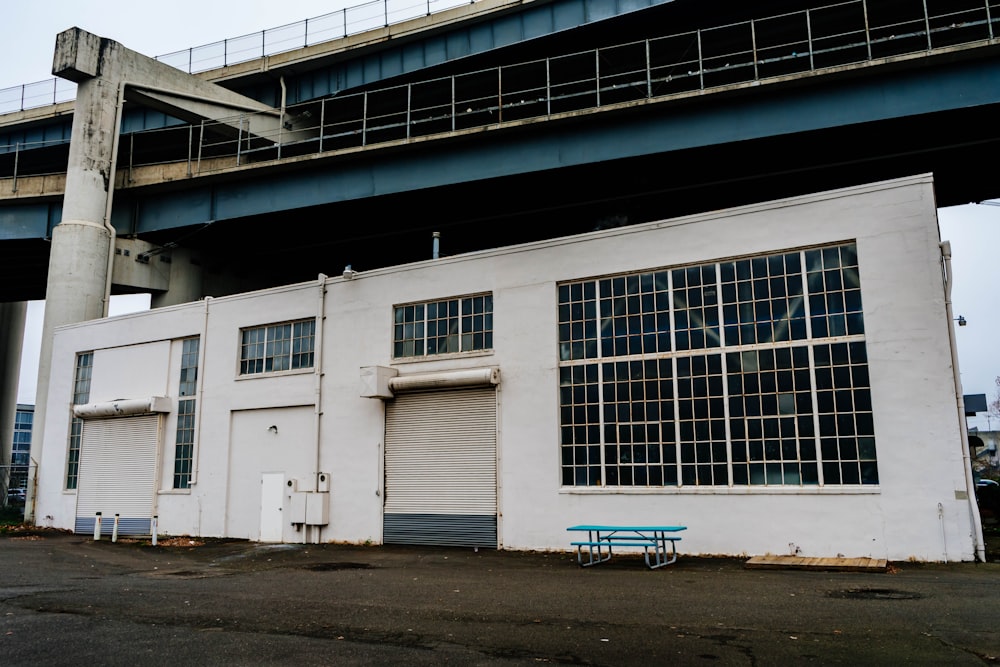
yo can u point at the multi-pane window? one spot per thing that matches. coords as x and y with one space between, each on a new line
277 347
21 447
186 407
737 373
461 324
81 394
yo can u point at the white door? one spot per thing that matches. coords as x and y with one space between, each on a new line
272 489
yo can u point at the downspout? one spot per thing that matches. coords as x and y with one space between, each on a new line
318 375
112 174
202 348
970 488
281 118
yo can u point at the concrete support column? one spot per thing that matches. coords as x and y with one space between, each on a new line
82 243
12 316
185 280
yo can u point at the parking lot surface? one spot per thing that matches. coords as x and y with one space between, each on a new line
66 600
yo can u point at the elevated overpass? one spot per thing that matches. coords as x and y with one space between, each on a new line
545 120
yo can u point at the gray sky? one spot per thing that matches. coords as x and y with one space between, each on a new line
26 56
152 29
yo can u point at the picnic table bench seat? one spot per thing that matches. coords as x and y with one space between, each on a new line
602 539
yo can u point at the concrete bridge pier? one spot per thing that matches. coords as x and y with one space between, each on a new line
81 256
186 280
12 317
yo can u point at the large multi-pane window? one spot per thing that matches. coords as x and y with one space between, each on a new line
461 324
186 410
743 372
81 394
277 347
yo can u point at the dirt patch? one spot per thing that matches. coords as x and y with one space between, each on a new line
874 594
330 567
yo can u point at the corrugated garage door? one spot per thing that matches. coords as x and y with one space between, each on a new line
441 468
117 474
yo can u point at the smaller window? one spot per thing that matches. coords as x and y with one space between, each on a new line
277 347
186 411
81 394
461 324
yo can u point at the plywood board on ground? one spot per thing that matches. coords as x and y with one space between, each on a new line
826 564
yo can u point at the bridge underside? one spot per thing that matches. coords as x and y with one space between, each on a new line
295 243
268 225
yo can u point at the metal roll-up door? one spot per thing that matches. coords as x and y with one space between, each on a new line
117 474
441 468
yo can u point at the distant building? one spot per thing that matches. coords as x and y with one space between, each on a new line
738 372
20 452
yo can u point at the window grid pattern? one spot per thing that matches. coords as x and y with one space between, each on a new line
834 291
81 394
580 418
844 406
186 410
634 314
702 420
578 321
763 299
461 324
184 447
277 347
696 308
639 442
21 443
784 401
771 416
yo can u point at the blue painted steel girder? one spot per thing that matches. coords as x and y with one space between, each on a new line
767 111
525 22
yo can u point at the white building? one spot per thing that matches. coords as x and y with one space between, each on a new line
776 377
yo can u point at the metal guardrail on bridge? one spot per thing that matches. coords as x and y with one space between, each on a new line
843 34
309 32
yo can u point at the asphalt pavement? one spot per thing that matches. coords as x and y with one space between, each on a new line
66 600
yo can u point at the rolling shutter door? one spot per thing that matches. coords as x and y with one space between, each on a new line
441 468
117 474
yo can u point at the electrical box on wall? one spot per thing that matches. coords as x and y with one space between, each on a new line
375 381
323 482
317 509
297 508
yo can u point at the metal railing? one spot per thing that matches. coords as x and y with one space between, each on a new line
811 41
309 32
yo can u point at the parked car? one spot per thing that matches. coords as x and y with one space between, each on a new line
16 496
983 483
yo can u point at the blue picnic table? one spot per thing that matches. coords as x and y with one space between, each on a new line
602 539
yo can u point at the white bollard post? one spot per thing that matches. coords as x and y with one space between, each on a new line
97 527
152 527
114 531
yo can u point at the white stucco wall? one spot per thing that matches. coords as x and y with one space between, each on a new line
919 509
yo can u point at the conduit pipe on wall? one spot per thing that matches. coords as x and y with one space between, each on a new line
970 486
202 348
119 105
318 365
281 118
